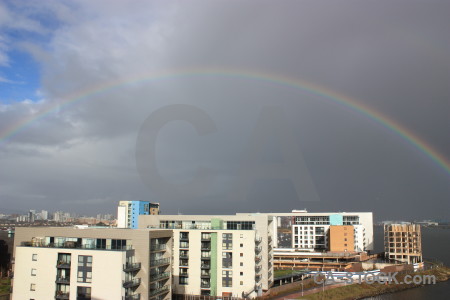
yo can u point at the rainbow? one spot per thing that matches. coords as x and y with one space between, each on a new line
327 94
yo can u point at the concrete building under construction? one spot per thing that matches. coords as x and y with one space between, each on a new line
403 242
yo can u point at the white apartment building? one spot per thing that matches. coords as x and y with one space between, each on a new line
87 263
228 256
307 231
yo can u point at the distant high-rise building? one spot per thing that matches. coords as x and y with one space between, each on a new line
44 215
403 242
128 212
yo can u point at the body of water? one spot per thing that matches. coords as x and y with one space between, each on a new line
435 245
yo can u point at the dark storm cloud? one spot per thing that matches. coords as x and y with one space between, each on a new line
391 56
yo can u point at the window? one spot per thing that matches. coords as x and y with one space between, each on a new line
33 272
241 255
241 273
101 243
34 257
118 244
227 241
242 264
242 236
83 293
227 278
183 280
242 245
184 236
84 269
32 287
242 283
227 259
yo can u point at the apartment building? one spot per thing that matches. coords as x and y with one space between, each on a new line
92 263
403 242
128 212
307 231
341 238
228 256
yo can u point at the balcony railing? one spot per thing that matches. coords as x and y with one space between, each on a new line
258 268
205 274
131 267
131 283
132 297
258 259
163 289
159 262
63 265
62 295
184 256
63 280
258 239
205 285
206 266
184 264
73 245
258 249
160 276
159 247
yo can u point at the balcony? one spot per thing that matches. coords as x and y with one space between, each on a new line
62 295
206 257
73 245
258 239
154 292
63 280
206 246
258 249
63 265
160 276
258 268
184 256
205 285
131 267
159 247
206 238
184 264
132 297
206 266
258 259
258 278
159 262
205 274
132 283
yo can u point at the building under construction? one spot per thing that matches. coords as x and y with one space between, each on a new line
403 242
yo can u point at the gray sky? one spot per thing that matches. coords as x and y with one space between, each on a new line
392 56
